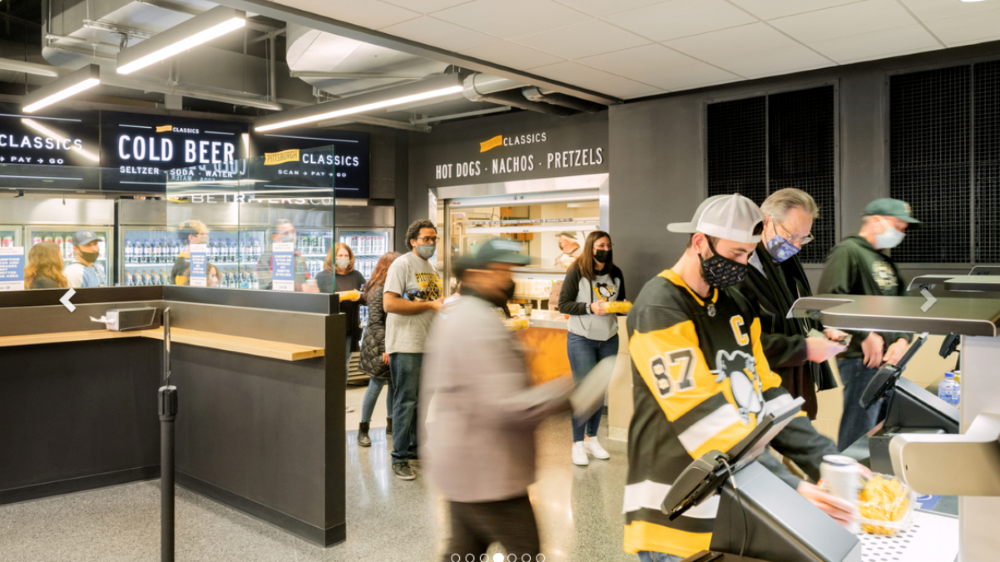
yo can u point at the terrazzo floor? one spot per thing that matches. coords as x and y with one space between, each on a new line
578 511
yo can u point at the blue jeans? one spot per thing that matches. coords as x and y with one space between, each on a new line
583 355
404 371
857 421
647 556
347 361
371 398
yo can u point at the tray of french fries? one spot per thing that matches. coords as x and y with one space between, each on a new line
885 505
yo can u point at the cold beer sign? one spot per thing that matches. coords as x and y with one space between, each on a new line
142 148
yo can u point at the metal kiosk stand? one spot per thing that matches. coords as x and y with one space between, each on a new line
966 464
759 514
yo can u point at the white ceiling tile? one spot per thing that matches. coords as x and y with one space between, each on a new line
770 9
681 18
877 44
778 61
689 76
634 63
440 34
372 14
731 42
591 78
510 18
601 8
426 6
931 10
964 30
512 55
592 37
843 21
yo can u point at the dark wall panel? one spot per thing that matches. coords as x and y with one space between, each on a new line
737 148
986 154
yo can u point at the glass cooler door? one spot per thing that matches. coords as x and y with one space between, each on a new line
62 236
10 236
368 246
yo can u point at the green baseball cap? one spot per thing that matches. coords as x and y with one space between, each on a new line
888 207
493 251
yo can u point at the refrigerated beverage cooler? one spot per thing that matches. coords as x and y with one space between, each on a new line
62 236
149 250
10 236
313 245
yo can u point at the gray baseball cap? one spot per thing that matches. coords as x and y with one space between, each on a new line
729 217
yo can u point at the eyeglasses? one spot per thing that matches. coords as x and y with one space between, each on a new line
428 239
801 240
604 246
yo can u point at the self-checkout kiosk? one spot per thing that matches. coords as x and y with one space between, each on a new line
935 460
760 517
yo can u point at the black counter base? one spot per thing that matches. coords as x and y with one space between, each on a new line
81 484
297 527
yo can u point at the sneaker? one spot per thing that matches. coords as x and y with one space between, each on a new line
403 471
594 448
580 454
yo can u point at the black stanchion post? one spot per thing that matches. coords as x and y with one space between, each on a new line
168 413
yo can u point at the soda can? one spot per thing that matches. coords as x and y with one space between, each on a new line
842 479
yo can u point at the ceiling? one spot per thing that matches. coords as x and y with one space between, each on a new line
635 48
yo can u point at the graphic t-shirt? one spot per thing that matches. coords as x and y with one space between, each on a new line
412 278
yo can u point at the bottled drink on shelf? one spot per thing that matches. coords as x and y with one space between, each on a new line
128 251
165 279
157 252
35 240
60 241
256 250
102 247
47 238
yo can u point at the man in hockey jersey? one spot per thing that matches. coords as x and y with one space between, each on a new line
701 381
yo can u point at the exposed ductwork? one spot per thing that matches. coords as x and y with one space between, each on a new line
503 91
532 93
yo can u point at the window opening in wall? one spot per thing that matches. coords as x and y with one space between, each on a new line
765 143
929 135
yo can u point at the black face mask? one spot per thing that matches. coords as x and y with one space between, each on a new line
89 257
720 272
601 255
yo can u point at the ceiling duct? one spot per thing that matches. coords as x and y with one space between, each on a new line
503 91
533 93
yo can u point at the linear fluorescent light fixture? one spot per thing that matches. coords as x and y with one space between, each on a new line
58 90
407 93
200 29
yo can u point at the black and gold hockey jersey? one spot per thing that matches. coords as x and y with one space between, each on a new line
700 382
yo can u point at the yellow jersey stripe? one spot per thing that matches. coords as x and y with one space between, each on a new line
640 535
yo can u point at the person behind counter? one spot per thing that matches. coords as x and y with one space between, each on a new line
700 380
481 445
339 276
857 266
284 231
412 297
45 267
773 283
190 232
591 282
570 248
84 271
374 359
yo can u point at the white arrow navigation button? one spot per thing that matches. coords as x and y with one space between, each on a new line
930 300
65 300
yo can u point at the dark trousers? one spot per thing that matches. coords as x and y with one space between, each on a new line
404 371
857 421
474 526
584 354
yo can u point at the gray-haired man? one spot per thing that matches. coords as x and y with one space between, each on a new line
774 282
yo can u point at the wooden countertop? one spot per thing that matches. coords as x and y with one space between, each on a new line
236 344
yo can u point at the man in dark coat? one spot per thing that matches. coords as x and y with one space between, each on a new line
774 282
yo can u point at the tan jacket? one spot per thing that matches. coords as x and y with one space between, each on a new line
481 445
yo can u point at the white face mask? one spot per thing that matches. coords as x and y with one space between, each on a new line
343 263
890 238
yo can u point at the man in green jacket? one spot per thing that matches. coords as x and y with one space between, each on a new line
857 266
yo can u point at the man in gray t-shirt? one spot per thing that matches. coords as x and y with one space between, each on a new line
413 295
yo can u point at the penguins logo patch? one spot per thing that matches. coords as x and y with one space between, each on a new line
741 370
604 291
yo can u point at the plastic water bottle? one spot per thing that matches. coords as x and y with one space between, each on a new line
949 390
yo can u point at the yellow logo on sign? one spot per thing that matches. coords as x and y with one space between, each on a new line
165 129
492 143
275 158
